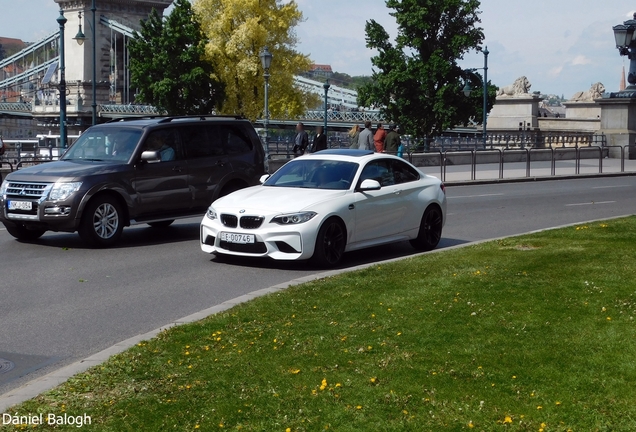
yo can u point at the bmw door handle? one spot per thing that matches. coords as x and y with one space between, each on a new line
397 191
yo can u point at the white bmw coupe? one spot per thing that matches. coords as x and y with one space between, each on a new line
322 205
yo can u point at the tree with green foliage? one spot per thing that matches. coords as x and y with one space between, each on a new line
168 67
416 80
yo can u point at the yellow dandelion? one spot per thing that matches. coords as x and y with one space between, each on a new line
294 371
369 347
405 412
603 309
507 420
338 385
288 430
543 425
557 403
187 353
609 318
314 392
539 407
471 424
373 380
514 377
399 333
359 407
197 426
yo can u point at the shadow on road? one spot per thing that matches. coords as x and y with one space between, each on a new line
137 236
351 259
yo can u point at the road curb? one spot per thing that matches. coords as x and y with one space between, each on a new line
51 380
537 179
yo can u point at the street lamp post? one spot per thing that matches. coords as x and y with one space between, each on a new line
61 20
266 62
80 38
468 89
326 87
624 35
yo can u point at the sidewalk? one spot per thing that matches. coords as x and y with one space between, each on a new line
518 170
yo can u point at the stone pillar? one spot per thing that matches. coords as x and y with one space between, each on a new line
509 112
618 123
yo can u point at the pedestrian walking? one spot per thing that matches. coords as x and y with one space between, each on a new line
365 139
378 138
301 140
320 141
354 133
392 141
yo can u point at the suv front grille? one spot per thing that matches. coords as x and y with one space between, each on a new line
229 221
26 190
251 222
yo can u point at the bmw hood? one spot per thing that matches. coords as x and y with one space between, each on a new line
275 200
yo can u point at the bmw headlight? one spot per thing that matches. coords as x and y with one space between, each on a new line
293 218
211 213
61 191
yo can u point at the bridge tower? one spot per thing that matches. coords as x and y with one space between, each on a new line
114 22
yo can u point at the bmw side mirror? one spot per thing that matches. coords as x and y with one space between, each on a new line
369 185
151 156
263 178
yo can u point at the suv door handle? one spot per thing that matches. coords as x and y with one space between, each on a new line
221 163
177 169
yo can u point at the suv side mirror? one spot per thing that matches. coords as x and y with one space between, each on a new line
369 185
263 178
151 156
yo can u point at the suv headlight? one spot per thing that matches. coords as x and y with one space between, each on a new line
293 218
211 213
3 188
61 191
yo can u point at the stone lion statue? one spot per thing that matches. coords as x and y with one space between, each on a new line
595 92
521 86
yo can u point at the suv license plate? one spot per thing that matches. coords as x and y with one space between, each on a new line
20 205
237 238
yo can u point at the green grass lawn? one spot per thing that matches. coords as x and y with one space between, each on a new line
532 333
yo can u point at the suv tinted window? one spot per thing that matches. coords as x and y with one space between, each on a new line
201 141
235 140
164 141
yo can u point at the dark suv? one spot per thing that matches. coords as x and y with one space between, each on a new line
133 172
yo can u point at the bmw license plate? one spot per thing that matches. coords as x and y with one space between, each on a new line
20 205
237 238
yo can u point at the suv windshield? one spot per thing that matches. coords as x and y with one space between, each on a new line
104 145
315 174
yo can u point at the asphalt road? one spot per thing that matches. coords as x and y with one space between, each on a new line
60 302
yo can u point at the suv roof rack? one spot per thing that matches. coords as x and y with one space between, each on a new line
164 119
125 119
200 117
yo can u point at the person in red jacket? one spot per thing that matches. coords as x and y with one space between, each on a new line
378 138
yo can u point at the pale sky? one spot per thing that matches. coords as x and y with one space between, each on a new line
562 46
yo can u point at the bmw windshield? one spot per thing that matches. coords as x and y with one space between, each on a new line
104 145
314 174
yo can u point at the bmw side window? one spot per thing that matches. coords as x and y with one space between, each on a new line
379 171
236 141
403 173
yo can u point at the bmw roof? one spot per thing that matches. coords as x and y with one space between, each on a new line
346 152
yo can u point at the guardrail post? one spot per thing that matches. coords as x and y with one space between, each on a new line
500 163
552 161
577 160
473 168
527 161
